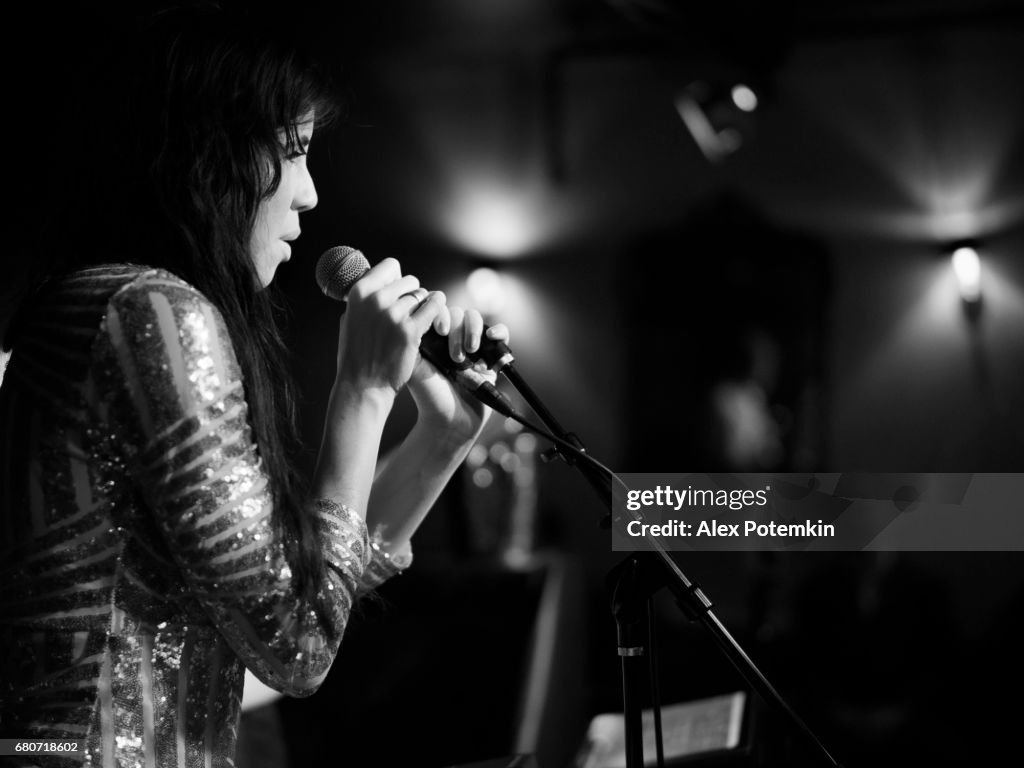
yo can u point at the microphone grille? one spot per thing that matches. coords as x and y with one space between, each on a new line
338 269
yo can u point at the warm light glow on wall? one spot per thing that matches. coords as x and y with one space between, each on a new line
486 290
518 304
497 220
943 135
474 168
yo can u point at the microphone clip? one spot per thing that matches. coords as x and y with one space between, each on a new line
554 453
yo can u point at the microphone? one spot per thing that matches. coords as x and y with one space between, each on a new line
340 267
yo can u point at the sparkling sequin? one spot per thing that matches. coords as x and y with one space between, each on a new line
142 573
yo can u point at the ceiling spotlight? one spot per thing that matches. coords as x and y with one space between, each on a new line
718 118
743 97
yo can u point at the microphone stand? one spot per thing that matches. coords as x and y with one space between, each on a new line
635 581
598 480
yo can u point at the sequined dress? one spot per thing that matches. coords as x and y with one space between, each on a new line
139 574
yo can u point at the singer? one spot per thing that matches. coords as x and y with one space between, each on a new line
156 539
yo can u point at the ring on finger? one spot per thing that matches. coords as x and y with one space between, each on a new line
419 296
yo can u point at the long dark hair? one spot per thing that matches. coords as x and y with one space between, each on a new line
173 177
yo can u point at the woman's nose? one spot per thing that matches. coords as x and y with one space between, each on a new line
305 193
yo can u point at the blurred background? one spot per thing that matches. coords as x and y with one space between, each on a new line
722 235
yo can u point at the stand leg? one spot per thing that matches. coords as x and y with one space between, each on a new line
633 672
628 602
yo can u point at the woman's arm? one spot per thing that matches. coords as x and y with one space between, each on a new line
172 389
449 420
409 480
378 349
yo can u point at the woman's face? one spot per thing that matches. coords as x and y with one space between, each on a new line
277 220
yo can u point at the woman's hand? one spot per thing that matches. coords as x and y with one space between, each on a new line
410 478
442 404
388 313
378 347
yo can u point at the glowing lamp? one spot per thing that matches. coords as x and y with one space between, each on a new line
744 97
967 268
718 116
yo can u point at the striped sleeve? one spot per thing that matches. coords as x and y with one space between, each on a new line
176 394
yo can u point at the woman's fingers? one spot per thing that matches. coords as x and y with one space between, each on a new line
467 331
431 309
384 291
390 294
379 275
455 334
472 330
498 332
442 323
408 303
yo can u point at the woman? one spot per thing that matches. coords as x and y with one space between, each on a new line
155 538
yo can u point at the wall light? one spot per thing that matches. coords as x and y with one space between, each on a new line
967 267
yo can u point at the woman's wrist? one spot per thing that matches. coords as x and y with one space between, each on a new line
351 441
446 437
453 421
350 397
